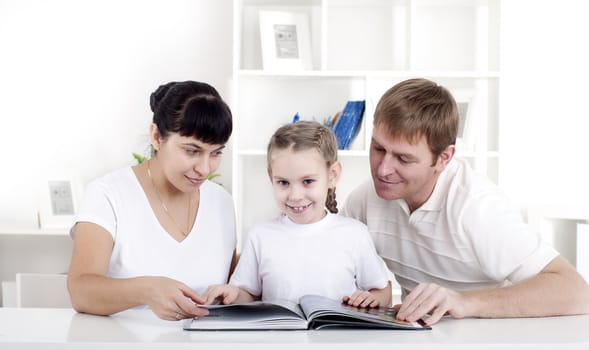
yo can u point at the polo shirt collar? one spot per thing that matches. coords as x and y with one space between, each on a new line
436 200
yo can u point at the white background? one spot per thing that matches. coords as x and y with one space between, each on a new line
75 79
544 101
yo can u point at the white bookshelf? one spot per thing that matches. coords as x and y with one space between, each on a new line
359 50
39 232
31 250
566 228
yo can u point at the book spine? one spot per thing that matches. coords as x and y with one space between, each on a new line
349 123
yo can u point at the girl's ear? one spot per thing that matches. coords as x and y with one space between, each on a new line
335 171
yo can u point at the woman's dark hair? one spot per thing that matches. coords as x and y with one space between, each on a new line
191 108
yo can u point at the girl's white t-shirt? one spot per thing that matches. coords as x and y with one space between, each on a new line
142 247
334 257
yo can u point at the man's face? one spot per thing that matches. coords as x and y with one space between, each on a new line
401 170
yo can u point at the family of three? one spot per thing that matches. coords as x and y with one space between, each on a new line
159 234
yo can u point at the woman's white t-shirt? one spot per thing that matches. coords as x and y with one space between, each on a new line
142 247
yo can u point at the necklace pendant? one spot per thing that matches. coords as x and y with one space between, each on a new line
159 197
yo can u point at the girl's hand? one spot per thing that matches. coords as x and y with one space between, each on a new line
225 293
361 298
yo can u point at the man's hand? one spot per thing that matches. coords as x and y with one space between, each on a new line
434 300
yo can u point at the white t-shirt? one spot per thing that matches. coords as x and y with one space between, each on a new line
142 247
332 257
466 236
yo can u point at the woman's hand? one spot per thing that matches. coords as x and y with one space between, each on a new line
172 300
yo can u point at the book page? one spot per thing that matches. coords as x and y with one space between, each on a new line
331 312
254 315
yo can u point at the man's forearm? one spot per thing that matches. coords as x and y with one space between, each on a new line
557 290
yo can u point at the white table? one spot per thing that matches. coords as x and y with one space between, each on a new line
141 329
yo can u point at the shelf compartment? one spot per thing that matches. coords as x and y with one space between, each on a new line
311 97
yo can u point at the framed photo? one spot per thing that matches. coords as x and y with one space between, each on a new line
465 101
285 40
58 201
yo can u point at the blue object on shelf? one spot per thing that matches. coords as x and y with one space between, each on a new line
348 123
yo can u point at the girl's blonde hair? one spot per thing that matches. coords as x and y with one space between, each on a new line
304 135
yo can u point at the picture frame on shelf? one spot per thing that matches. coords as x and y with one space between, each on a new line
465 101
58 201
285 40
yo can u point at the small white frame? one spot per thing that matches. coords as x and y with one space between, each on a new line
58 201
285 40
466 103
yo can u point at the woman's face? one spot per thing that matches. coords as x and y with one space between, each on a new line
187 162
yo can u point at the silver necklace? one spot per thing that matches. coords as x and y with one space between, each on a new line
159 197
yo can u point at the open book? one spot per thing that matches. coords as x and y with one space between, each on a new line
313 312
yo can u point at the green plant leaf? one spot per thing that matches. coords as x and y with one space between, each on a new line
139 158
212 176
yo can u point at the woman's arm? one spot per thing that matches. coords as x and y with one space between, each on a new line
91 291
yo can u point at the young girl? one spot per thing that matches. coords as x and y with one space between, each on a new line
307 250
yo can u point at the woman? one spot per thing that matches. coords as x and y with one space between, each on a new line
158 233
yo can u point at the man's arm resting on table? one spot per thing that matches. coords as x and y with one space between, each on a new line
556 290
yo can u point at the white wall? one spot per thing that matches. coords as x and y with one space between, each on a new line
75 79
544 101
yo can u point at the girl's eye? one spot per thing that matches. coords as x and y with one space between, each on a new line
308 181
282 182
217 153
191 151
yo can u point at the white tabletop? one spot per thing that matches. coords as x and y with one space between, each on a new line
141 329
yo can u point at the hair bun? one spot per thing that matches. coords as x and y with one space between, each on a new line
156 97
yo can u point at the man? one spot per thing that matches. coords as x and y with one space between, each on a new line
453 240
